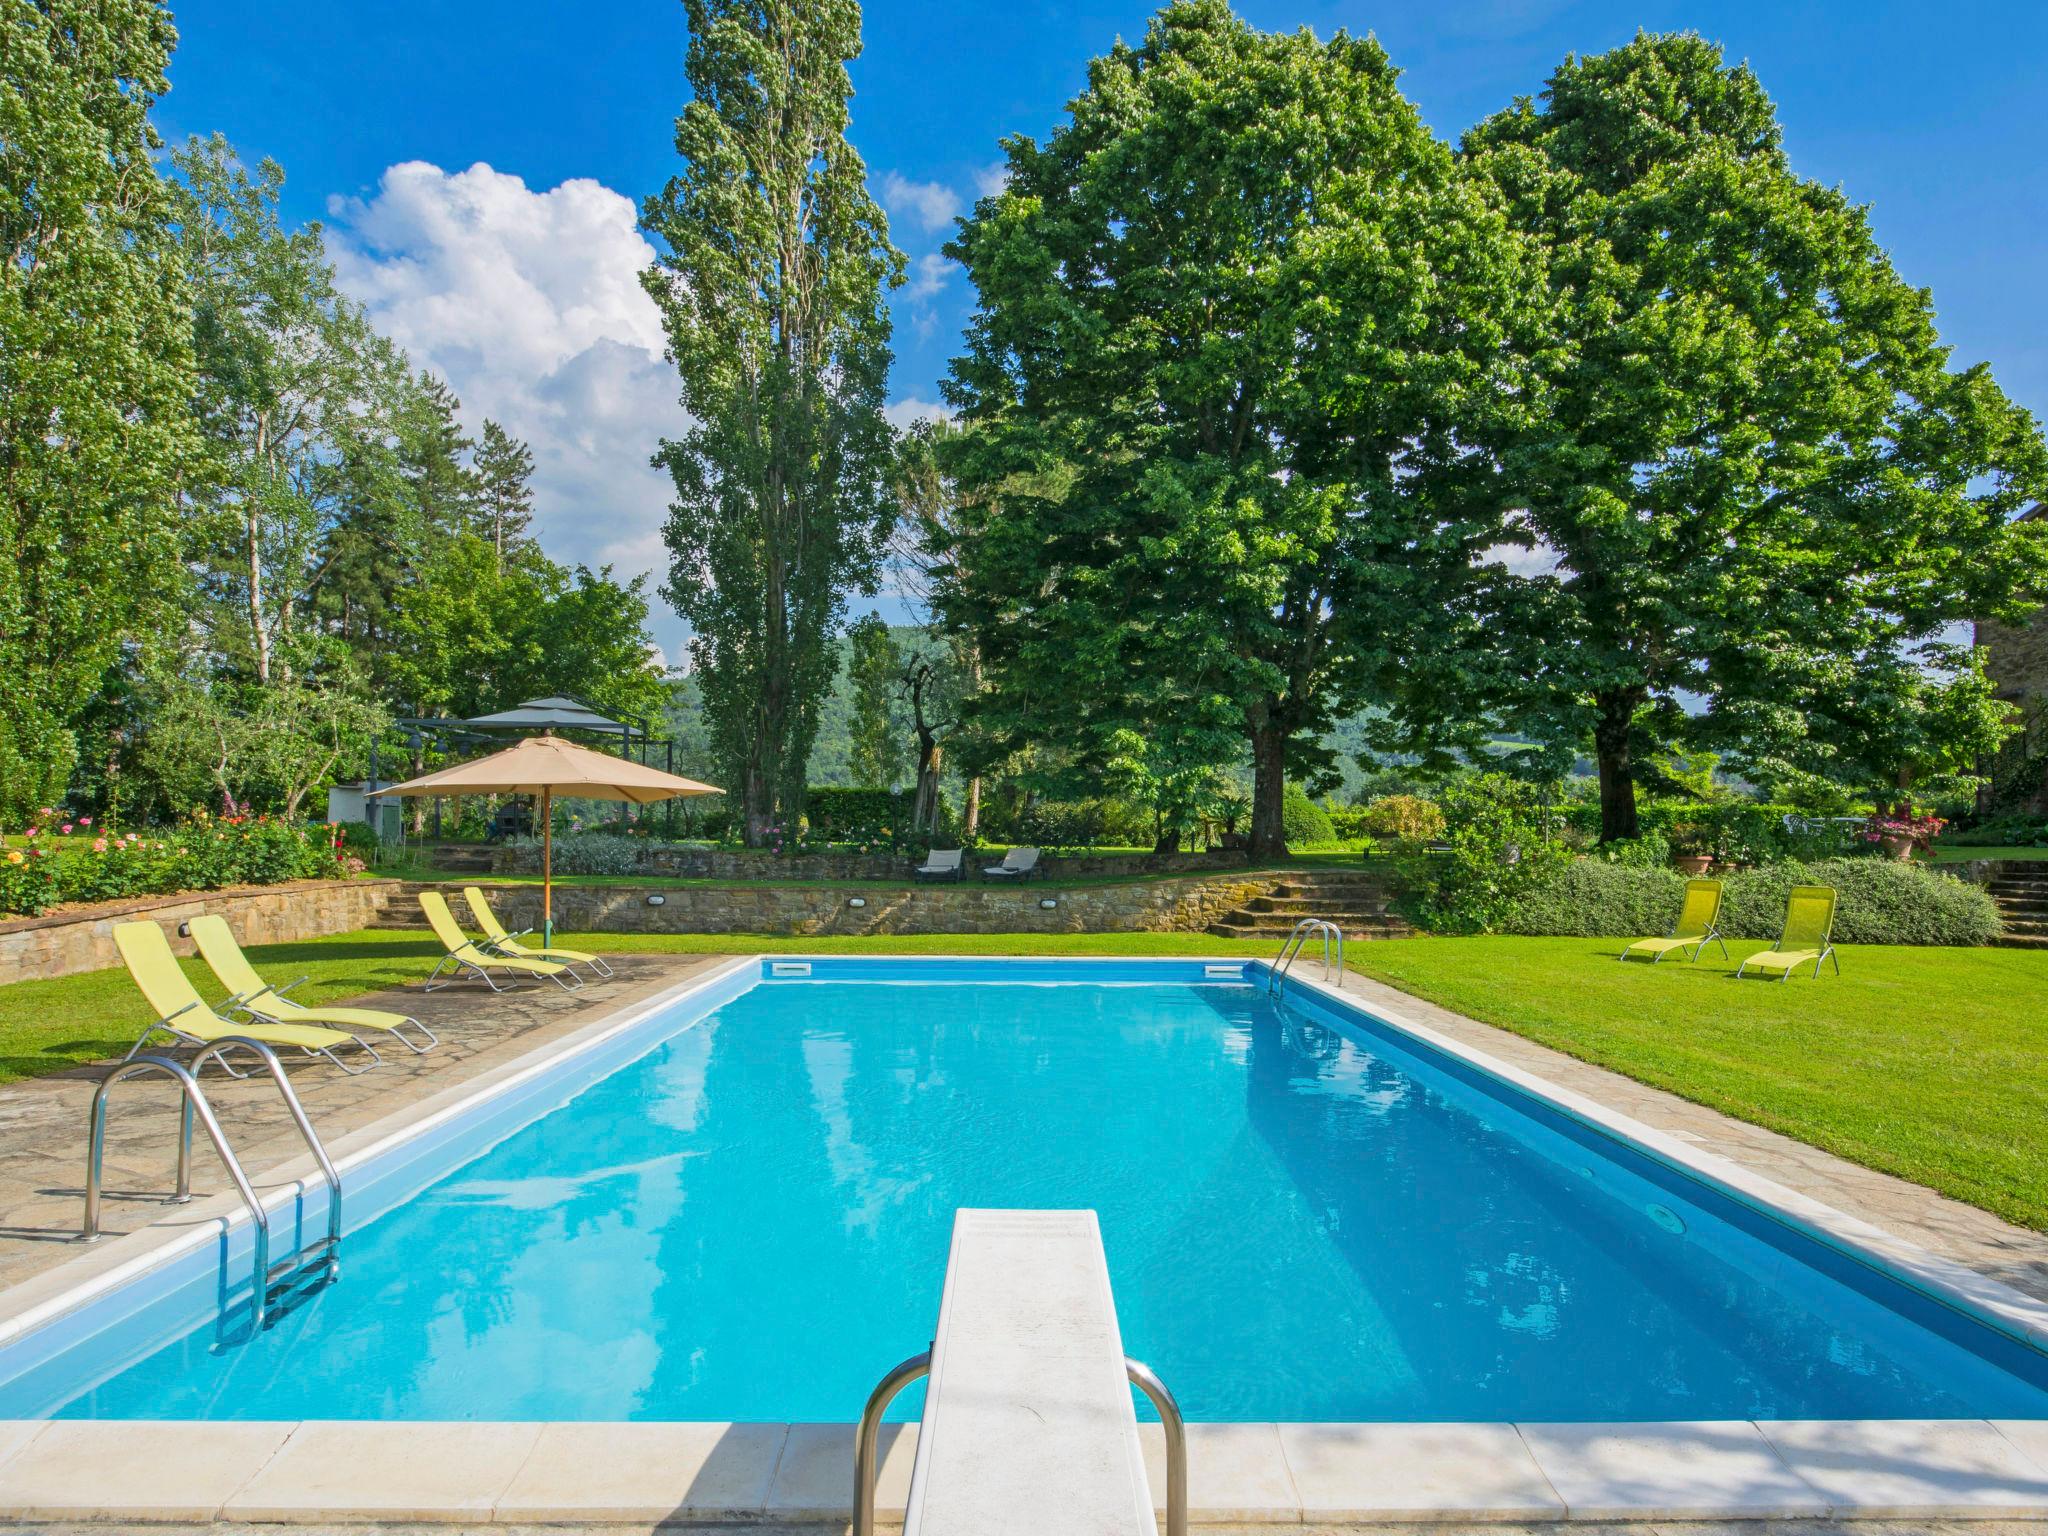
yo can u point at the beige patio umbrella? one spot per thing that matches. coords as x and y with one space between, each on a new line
546 766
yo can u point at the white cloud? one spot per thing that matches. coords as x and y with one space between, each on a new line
990 179
904 413
931 205
928 274
529 304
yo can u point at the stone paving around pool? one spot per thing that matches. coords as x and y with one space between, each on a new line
43 1120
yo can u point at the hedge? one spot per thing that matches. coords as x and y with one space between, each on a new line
1882 901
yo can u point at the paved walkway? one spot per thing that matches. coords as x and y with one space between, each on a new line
42 1122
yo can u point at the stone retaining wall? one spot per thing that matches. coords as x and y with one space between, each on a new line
1151 906
733 864
62 943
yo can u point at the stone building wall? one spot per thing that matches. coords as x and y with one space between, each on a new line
1151 906
61 943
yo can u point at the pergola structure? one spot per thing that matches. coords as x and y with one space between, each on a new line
548 715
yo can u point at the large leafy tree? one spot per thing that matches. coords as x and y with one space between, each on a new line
96 370
1238 332
771 288
1758 475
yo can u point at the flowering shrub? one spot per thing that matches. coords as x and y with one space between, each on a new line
1915 831
63 858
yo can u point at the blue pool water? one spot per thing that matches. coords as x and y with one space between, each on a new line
1305 1220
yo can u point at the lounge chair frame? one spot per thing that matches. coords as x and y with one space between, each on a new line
250 1010
234 968
496 941
957 871
1018 872
1699 945
165 1025
477 967
467 959
1825 952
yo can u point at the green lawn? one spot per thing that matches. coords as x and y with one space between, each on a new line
1964 853
1928 1063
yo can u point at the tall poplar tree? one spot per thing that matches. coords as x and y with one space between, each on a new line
96 371
770 284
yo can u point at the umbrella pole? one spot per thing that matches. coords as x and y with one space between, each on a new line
547 869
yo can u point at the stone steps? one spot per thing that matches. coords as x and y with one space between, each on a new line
1349 904
1367 929
2023 903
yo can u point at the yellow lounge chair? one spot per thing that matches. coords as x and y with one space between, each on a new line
183 1013
1809 934
499 942
1699 922
463 955
260 1000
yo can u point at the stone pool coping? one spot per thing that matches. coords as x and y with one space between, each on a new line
1240 1474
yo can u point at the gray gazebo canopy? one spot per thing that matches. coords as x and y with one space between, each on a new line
556 712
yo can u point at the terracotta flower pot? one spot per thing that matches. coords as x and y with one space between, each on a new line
1896 845
1693 864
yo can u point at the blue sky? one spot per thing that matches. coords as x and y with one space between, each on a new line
516 280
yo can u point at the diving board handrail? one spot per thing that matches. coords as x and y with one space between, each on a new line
867 1440
1308 928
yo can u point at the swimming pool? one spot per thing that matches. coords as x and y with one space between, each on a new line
739 1208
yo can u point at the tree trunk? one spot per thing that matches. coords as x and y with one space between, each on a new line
924 810
1617 781
1267 838
970 819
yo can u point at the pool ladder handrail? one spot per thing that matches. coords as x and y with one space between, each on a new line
265 1278
866 1445
1308 928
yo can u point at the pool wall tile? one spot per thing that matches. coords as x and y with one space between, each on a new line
1903 1469
1722 1469
646 1472
814 1478
1237 1473
350 1469
125 1470
1359 1472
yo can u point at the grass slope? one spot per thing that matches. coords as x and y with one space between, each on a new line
1928 1063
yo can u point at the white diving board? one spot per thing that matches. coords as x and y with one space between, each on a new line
1028 1424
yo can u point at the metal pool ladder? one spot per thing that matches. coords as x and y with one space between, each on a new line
867 1440
1308 928
321 1259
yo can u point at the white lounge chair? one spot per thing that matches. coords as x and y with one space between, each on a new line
1018 864
943 864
